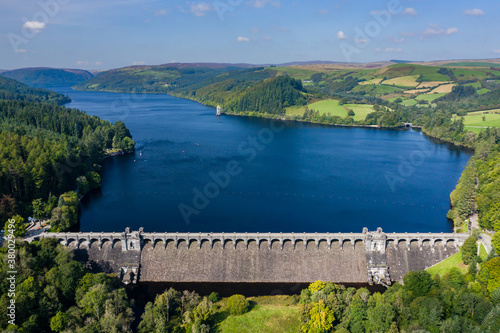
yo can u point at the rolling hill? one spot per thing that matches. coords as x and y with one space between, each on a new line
48 77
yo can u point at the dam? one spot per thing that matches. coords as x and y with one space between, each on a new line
373 257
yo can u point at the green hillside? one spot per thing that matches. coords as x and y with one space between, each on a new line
48 77
13 90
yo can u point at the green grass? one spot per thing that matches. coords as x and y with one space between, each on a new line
297 73
330 106
327 106
473 64
476 85
409 102
462 73
474 120
403 81
268 315
434 77
482 253
444 266
429 97
360 110
483 91
491 120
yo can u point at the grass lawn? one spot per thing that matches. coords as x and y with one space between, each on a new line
482 253
429 97
444 266
483 91
360 110
268 315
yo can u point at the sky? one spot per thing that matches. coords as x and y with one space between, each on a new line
105 34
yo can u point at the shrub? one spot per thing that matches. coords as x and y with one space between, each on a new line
214 297
237 305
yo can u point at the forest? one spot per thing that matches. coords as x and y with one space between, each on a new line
48 150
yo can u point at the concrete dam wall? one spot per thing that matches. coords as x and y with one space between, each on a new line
373 257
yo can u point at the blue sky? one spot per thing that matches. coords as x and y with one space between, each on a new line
103 34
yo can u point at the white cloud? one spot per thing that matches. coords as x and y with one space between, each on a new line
135 63
161 12
283 29
20 50
254 30
497 51
390 49
361 41
341 35
98 63
34 26
266 38
474 12
399 40
323 12
410 11
199 9
263 3
81 62
436 30
242 39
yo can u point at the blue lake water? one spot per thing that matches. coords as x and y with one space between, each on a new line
285 176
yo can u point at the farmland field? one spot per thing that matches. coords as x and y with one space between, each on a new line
429 97
474 120
403 81
431 84
372 81
360 110
472 64
324 107
446 88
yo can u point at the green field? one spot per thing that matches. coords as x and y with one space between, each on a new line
474 120
328 106
483 91
403 81
266 316
429 97
296 73
409 102
360 110
444 266
473 64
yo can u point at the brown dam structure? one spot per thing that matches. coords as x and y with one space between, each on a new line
367 257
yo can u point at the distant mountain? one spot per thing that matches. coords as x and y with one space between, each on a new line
42 77
13 90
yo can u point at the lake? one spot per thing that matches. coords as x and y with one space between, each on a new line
195 172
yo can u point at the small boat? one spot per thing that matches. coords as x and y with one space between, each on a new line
219 110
